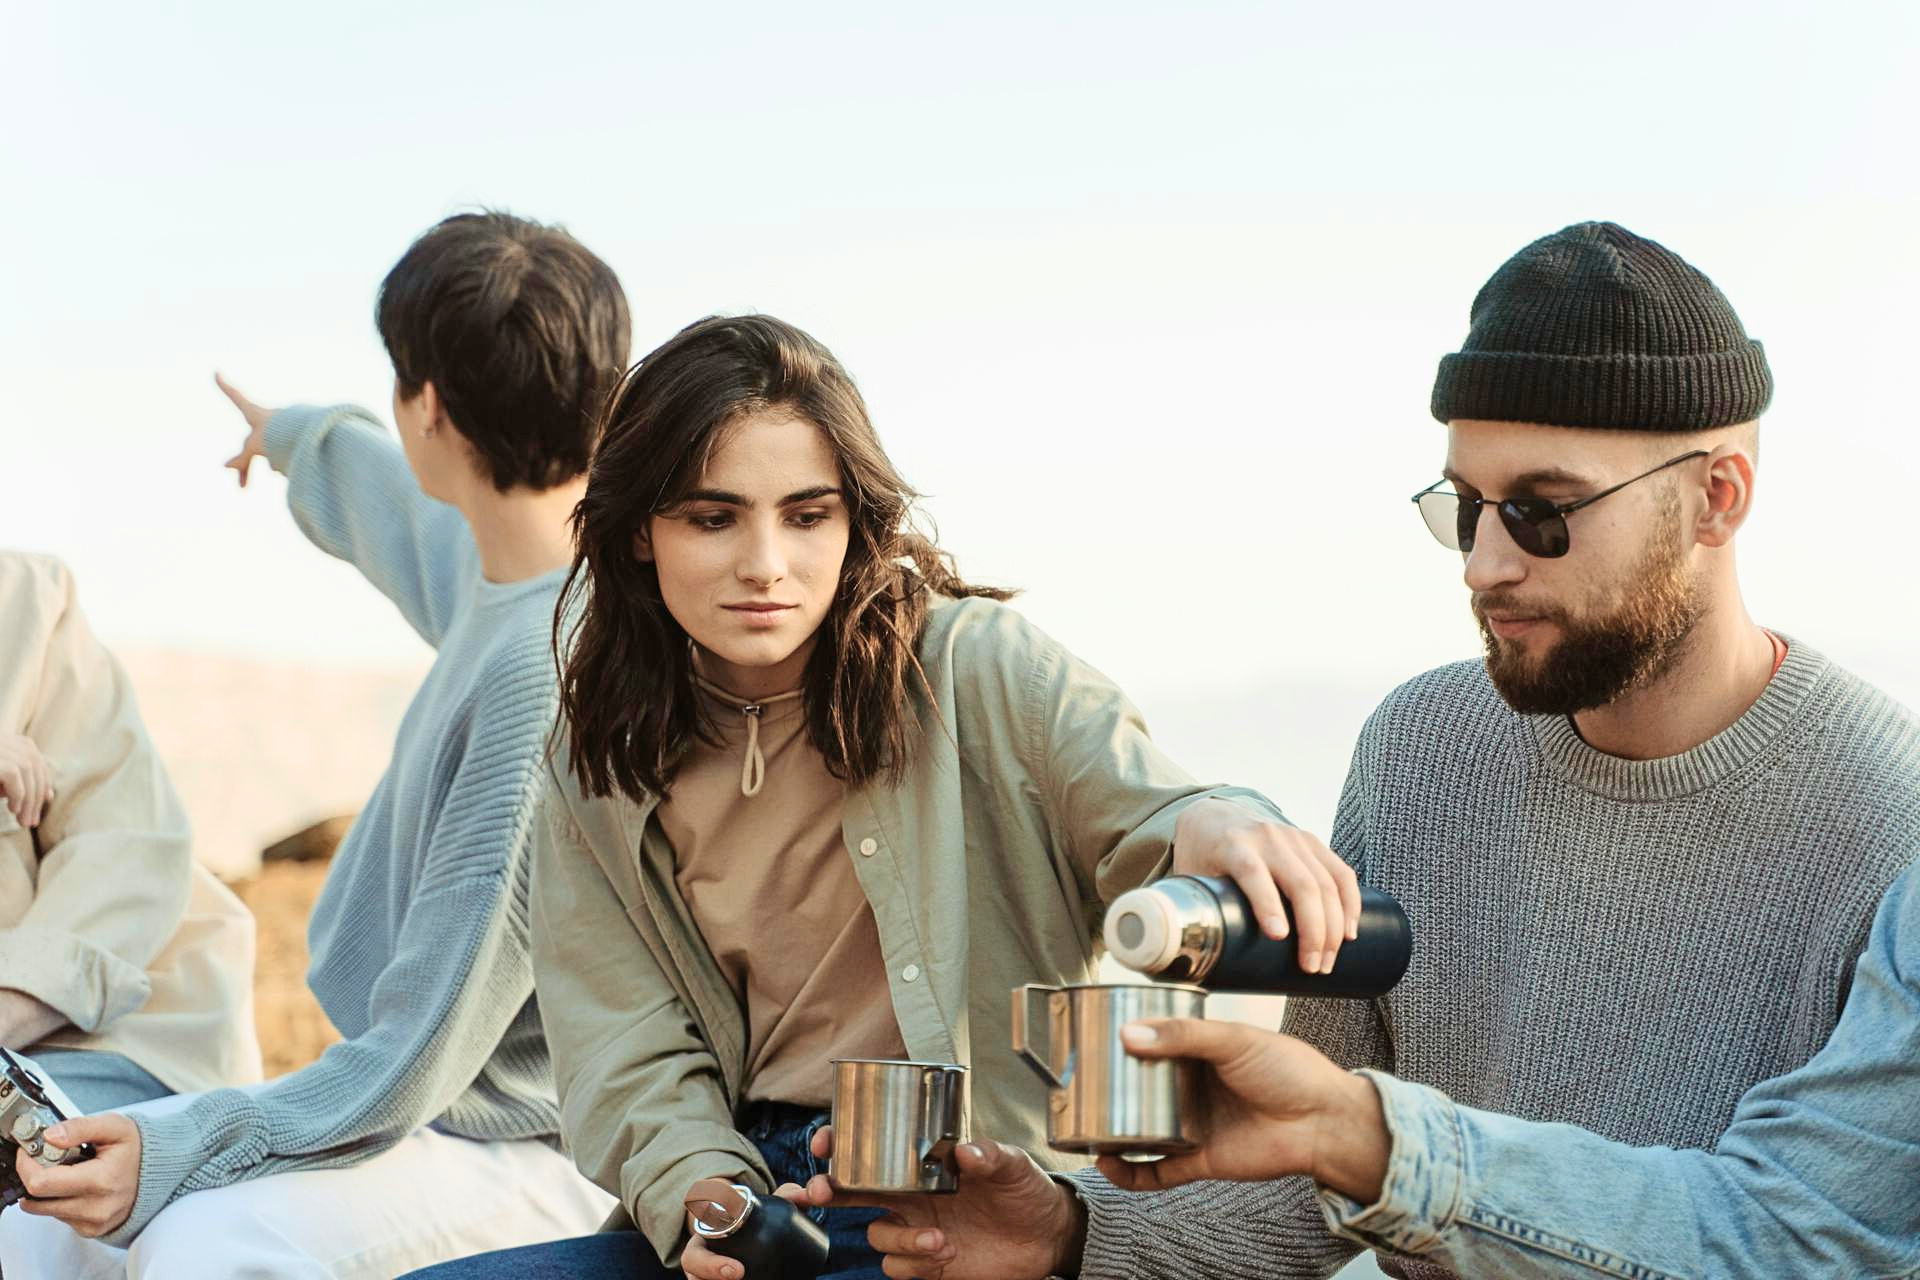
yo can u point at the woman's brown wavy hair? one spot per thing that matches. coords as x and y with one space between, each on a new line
626 673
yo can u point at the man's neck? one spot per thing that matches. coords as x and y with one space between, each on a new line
1724 668
522 533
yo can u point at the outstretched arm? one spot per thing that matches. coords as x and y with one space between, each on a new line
1817 1174
353 494
1126 813
459 978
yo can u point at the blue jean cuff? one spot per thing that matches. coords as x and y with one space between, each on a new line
1420 1198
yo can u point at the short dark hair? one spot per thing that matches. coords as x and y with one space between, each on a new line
521 331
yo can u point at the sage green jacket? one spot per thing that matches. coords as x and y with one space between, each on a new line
1036 797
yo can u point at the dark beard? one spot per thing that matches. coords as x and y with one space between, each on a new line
1599 659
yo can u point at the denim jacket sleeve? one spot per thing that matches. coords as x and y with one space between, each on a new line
1819 1173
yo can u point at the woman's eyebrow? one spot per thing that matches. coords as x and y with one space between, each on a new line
809 495
717 495
732 499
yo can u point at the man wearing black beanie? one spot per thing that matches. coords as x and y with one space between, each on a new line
1644 845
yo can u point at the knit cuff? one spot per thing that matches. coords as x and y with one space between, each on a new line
178 1146
1426 1173
288 427
1620 390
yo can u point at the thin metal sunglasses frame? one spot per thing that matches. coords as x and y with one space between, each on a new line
1510 510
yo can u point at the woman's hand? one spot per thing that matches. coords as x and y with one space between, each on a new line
255 445
1216 837
702 1263
94 1196
1276 1106
26 779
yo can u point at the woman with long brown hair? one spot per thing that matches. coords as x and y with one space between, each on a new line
818 797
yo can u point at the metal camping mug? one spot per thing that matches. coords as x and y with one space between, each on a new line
895 1125
1104 1100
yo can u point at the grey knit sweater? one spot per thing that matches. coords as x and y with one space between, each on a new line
1624 946
419 939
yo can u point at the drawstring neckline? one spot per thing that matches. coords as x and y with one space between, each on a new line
753 769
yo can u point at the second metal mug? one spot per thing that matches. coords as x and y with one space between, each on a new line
1104 1100
895 1125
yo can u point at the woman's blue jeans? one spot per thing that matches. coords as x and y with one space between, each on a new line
781 1132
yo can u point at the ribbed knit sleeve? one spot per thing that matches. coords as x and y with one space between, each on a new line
1351 1032
458 979
353 494
1221 1230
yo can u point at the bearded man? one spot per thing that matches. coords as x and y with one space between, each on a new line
1642 846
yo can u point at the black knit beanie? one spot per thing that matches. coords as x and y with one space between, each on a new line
1594 327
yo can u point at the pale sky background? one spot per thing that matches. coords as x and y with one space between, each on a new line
1147 298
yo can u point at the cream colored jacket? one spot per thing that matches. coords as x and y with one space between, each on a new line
104 916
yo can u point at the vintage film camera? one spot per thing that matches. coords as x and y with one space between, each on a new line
30 1104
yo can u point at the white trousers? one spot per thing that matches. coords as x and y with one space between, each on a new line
430 1199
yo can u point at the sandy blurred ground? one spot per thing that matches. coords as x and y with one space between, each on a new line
259 750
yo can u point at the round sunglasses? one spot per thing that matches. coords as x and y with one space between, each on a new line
1538 526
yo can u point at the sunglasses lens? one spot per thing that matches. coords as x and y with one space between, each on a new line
1449 520
1536 527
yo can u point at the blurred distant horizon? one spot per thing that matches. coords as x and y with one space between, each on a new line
263 747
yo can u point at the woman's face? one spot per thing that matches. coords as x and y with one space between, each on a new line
750 560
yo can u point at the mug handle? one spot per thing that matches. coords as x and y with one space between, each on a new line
1022 1003
938 1138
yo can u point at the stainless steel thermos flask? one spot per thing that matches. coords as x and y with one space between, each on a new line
771 1238
1201 930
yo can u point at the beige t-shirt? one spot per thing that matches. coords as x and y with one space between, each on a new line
772 887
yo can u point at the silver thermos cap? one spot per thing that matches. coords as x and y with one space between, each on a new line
1170 928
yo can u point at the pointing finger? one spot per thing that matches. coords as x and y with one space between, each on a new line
232 392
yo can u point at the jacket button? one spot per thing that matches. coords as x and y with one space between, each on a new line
869 847
911 972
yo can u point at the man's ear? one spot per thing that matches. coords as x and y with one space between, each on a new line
1730 484
432 408
643 546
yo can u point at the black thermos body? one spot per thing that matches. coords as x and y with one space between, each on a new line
771 1238
1201 930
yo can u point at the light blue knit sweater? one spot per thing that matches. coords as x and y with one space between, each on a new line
419 939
